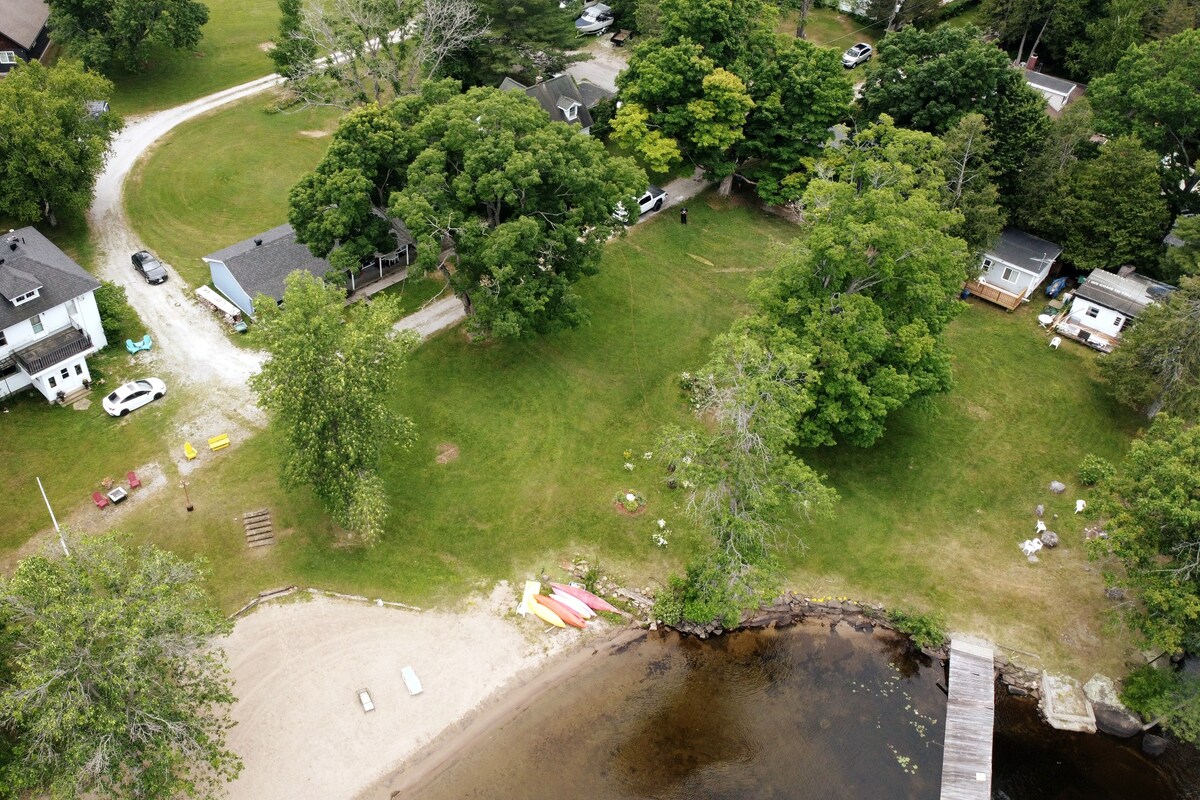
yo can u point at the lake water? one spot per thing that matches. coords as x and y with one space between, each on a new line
803 712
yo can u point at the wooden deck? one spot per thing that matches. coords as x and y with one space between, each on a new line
970 715
993 295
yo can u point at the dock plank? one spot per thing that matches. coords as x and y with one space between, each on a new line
970 718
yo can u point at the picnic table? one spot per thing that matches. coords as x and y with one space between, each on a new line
621 37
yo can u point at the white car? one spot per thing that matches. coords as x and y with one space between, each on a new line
596 19
651 200
858 54
133 395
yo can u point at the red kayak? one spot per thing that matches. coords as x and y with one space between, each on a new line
590 600
562 609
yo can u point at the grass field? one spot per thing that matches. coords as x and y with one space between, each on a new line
207 185
230 53
827 27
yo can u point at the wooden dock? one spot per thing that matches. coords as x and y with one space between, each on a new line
970 715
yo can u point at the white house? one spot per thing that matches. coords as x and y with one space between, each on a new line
1013 268
1103 305
1059 92
49 322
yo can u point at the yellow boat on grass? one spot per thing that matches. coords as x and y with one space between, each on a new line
532 588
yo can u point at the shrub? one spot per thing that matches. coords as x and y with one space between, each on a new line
1094 469
714 590
117 317
925 630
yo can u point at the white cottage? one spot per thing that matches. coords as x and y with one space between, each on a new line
1059 92
1105 303
49 322
1013 268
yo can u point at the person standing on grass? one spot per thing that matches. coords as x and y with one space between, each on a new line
683 215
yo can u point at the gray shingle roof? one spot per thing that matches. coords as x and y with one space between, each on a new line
1127 294
23 20
261 268
554 96
592 94
37 262
1051 83
1024 250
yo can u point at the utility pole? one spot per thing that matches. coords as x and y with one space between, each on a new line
61 539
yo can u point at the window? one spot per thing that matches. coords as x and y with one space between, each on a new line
25 298
1092 312
1010 275
1118 322
3 339
8 57
572 111
72 309
66 373
53 382
36 323
987 262
79 369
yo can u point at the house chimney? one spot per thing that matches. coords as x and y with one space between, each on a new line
1031 64
1126 271
539 80
258 242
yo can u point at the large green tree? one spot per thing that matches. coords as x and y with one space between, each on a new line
1155 93
1153 511
969 188
1184 258
1123 23
526 39
1157 366
117 689
930 79
525 203
103 34
720 89
51 147
327 383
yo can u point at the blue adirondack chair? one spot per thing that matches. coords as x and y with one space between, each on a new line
144 344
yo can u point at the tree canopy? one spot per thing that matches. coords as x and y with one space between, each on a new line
1153 511
51 147
719 88
1154 93
525 40
1184 259
103 34
526 203
1157 366
969 188
327 384
117 689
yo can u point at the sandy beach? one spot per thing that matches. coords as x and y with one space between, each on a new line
297 666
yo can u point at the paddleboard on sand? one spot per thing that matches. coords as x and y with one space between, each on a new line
561 611
589 599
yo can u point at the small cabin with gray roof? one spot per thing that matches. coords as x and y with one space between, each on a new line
49 321
259 265
1013 268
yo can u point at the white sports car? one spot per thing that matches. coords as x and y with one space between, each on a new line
133 395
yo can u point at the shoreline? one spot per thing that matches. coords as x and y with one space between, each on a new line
502 706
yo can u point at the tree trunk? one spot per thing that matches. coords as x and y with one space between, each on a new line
726 185
1038 40
1021 46
1155 407
49 213
805 7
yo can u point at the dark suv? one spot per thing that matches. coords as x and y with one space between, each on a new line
150 267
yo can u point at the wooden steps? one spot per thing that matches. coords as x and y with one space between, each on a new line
259 531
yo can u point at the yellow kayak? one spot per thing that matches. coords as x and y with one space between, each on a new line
532 588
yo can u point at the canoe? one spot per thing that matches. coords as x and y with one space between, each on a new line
544 612
573 603
589 599
561 611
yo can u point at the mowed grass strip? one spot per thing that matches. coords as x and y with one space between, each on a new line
232 51
931 517
222 178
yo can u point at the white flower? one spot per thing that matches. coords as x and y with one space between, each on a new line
631 497
647 456
686 460
662 523
659 540
628 467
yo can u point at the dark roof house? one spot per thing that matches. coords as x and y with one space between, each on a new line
562 98
23 33
30 264
1013 268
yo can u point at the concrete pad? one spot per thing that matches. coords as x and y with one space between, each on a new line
1065 706
82 404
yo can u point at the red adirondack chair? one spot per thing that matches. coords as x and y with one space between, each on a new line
100 500
134 480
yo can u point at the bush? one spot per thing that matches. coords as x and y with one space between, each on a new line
1168 697
925 630
714 590
117 317
1094 469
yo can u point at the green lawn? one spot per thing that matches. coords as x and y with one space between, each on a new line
933 514
415 292
222 178
230 53
828 27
